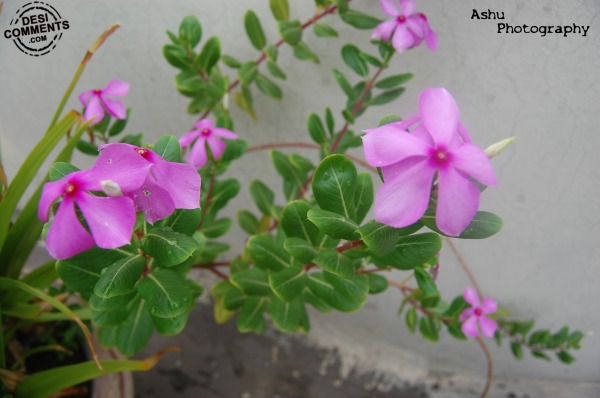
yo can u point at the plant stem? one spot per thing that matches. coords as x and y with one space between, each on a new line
282 145
464 266
490 365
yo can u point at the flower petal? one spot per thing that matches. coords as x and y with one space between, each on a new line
402 200
474 162
384 30
197 156
387 145
217 147
180 180
94 110
403 39
188 138
85 97
121 164
421 132
116 88
489 306
407 7
50 192
464 134
471 296
204 124
458 200
111 220
114 108
389 7
66 236
439 113
431 38
488 326
154 200
221 132
467 312
469 327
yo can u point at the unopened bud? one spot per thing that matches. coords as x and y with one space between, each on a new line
111 188
499 146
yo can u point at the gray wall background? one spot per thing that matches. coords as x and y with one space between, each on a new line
544 90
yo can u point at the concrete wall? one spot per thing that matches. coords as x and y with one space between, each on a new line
545 90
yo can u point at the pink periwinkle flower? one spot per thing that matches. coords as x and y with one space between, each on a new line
205 132
98 100
168 185
438 144
473 318
110 219
406 28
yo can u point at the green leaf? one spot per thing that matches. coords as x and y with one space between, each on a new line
167 246
411 319
386 96
267 254
223 192
210 54
387 120
254 30
98 303
290 173
275 70
110 318
252 281
168 148
271 51
268 87
316 129
429 329
288 283
540 355
360 20
230 61
120 278
334 185
516 349
330 121
351 56
342 81
377 283
371 59
346 295
170 326
280 9
216 228
323 30
412 251
248 222
300 249
135 332
291 31
295 222
176 56
250 318
565 357
335 263
427 286
393 81
234 298
165 292
248 72
483 225
184 221
119 125
287 315
59 170
333 224
81 272
263 197
364 196
342 6
304 53
380 238
190 30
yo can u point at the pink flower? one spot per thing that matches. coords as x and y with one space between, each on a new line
203 133
409 162
408 29
472 317
96 101
109 219
168 185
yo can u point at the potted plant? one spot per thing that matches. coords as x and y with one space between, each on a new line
125 233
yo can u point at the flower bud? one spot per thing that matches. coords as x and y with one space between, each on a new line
499 146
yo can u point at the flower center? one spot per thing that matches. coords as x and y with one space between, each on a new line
400 19
97 92
440 156
70 189
205 132
143 152
478 312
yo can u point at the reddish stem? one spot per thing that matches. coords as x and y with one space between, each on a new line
490 369
348 246
282 145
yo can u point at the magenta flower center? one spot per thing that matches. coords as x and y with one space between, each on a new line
440 156
400 19
143 152
478 312
70 189
97 92
205 132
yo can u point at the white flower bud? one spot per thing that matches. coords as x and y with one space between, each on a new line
499 146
